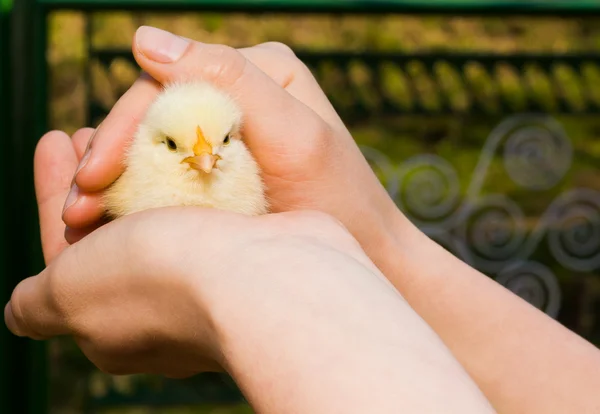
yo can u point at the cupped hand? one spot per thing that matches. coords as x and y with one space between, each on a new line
269 299
308 158
140 293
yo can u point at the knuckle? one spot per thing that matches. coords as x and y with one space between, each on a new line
223 64
300 69
280 47
294 68
25 319
17 309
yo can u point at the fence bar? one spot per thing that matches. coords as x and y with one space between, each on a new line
24 361
6 340
539 7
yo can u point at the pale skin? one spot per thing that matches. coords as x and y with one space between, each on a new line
288 304
522 360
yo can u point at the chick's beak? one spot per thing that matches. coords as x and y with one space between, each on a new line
203 159
203 162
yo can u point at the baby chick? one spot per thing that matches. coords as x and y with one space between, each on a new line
188 152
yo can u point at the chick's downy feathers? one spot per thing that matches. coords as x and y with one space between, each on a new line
188 151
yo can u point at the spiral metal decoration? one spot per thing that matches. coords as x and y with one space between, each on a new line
574 236
489 231
493 232
535 283
537 153
429 188
537 156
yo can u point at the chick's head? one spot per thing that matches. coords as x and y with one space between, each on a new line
191 130
188 151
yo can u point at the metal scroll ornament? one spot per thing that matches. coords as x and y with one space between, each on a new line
489 230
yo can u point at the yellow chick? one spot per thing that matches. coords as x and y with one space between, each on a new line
188 152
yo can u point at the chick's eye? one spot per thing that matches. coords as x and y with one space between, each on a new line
226 140
171 145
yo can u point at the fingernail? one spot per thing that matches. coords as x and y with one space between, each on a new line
84 160
91 140
71 198
159 45
86 155
10 321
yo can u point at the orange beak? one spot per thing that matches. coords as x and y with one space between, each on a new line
204 159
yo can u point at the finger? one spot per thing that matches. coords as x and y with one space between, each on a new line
102 271
87 208
31 311
104 163
168 58
280 63
54 165
81 139
85 211
52 303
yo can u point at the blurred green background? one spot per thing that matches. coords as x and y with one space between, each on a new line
89 69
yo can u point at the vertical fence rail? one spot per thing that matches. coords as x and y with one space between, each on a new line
5 338
23 109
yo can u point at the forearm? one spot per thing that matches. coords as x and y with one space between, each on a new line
338 339
524 361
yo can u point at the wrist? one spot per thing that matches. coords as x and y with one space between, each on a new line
315 309
390 240
412 261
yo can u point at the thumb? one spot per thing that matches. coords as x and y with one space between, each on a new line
169 58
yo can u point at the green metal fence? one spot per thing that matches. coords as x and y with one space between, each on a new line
4 125
22 107
578 7
504 175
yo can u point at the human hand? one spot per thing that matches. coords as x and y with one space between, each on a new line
270 299
308 158
131 293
